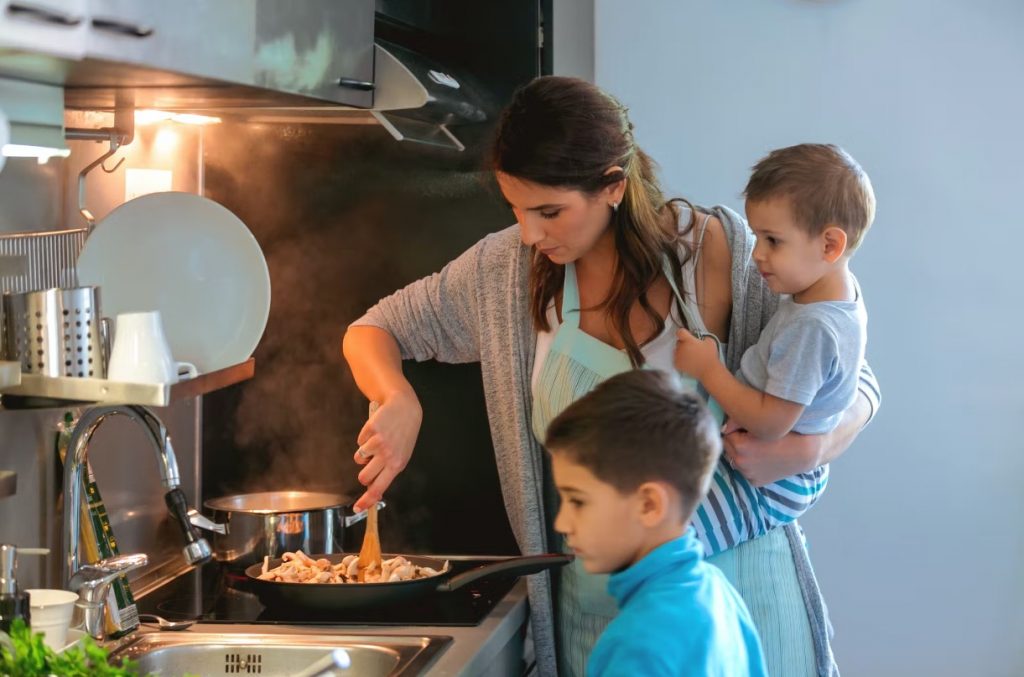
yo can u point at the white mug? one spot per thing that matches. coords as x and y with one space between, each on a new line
50 612
140 353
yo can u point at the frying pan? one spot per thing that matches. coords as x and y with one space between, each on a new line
335 596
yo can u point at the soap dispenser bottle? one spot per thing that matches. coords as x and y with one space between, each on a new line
13 602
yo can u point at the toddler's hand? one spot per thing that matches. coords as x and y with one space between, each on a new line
695 356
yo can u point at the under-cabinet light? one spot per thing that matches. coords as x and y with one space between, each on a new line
149 116
41 153
193 119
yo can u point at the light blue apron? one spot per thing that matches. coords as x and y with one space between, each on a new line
576 363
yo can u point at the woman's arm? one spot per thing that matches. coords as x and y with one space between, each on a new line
388 437
763 462
433 318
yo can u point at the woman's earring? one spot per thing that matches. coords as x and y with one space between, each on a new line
615 206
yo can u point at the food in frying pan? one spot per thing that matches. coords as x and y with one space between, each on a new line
298 567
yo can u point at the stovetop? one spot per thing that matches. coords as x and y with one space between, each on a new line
215 593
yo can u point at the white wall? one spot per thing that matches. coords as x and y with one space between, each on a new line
919 541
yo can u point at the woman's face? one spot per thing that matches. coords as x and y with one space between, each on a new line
563 224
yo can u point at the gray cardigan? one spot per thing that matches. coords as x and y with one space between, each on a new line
477 309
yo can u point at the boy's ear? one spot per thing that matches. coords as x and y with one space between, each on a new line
834 238
653 501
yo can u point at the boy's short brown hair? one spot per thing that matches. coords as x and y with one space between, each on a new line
824 186
639 427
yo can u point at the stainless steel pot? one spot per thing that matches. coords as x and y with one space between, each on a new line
274 522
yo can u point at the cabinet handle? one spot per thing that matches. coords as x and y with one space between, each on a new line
122 27
361 85
41 13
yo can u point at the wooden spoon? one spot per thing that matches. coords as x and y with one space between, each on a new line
370 552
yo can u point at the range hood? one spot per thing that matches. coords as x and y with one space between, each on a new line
452 100
415 98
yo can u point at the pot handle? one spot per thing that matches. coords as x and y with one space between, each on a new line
200 520
519 566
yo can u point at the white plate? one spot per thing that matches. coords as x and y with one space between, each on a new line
195 262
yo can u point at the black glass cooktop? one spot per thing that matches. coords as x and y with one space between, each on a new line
215 593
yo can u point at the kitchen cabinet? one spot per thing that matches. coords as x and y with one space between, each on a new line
321 48
194 37
199 52
51 27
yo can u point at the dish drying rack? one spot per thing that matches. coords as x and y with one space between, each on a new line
104 391
44 259
41 260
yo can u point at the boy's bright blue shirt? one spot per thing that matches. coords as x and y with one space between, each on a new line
678 615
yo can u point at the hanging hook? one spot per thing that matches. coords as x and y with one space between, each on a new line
121 134
113 169
115 143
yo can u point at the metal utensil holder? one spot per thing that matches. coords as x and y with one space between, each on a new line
56 332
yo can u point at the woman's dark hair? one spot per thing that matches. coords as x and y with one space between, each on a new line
567 133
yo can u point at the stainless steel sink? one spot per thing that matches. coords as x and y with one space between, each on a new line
174 654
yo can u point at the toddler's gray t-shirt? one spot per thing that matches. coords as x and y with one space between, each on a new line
810 353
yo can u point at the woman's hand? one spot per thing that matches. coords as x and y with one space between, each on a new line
695 356
763 462
386 443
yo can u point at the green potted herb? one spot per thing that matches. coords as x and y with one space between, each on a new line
23 654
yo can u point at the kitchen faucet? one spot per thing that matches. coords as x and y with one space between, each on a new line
91 582
196 551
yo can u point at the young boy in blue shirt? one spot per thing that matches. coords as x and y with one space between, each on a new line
631 460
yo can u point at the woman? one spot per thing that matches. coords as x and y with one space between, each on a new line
594 279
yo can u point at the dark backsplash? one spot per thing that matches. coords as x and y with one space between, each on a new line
345 215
